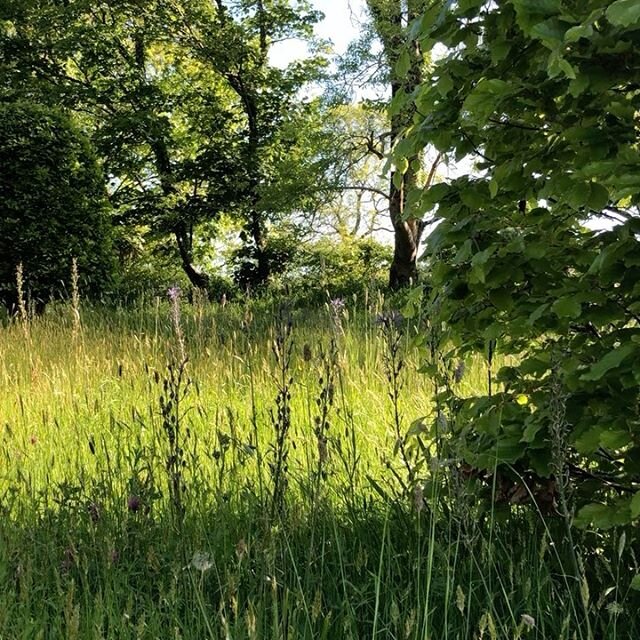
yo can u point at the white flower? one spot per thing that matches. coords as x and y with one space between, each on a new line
528 621
201 561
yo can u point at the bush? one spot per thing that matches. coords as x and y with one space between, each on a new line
53 205
339 268
517 276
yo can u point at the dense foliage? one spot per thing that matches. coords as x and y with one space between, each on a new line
190 117
53 205
536 253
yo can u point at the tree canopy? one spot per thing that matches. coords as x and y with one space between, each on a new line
190 118
536 250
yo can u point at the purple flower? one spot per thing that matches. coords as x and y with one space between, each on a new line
133 503
458 372
337 305
173 293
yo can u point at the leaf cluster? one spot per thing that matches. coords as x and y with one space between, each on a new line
536 253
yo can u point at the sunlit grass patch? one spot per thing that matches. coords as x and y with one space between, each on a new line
117 525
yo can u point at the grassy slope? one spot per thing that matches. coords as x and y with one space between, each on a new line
92 546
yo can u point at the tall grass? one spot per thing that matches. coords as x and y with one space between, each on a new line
253 486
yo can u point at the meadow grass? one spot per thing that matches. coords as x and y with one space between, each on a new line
259 490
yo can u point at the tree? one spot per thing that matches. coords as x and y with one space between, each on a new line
235 40
359 202
53 205
544 97
189 115
388 57
405 64
117 69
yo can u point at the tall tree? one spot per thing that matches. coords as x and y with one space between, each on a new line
405 64
236 39
119 69
189 113
53 205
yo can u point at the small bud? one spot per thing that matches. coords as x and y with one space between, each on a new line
418 498
241 549
94 512
528 621
322 449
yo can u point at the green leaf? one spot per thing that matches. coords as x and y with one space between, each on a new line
615 439
540 7
567 307
531 431
557 65
445 84
482 257
402 164
538 313
464 252
635 583
502 299
624 13
493 187
604 259
588 442
534 366
578 85
485 97
472 198
509 450
578 195
500 51
536 250
404 64
600 516
551 32
493 331
575 33
465 5
612 360
399 102
598 197
635 506
478 274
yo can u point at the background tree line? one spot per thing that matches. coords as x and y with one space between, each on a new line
210 154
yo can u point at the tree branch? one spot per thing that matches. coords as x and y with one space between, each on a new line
363 188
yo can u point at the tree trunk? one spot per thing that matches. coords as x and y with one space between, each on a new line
183 235
407 235
390 18
407 232
263 267
160 149
184 239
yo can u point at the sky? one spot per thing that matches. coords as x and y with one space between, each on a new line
340 26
